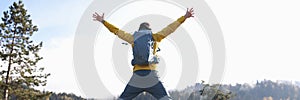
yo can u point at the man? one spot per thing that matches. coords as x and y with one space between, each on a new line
145 60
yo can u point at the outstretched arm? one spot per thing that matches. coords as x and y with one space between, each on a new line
120 33
173 26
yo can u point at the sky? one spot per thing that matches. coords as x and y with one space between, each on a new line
57 22
261 39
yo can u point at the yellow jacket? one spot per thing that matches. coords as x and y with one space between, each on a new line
156 36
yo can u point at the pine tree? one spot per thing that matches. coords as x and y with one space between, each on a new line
19 56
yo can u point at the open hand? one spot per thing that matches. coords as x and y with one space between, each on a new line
97 17
189 13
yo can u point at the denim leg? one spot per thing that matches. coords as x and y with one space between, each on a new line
130 92
158 91
134 89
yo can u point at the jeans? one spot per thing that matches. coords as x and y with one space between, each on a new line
144 80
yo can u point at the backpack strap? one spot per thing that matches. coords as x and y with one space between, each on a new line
155 46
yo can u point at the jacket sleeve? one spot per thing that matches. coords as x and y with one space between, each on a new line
120 33
168 30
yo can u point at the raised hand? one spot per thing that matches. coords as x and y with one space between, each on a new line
189 13
97 17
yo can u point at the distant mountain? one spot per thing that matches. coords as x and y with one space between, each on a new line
65 96
297 83
266 90
262 90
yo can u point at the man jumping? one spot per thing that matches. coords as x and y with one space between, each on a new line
144 44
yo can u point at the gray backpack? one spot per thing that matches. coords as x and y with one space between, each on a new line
143 48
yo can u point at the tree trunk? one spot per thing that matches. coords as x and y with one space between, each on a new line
9 66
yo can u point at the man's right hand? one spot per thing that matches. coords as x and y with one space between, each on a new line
97 17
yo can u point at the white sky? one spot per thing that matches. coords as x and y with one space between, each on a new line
261 38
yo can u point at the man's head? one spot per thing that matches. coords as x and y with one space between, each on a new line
144 26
